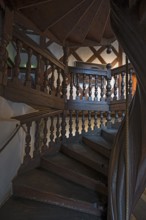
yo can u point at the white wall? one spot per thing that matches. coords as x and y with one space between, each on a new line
11 156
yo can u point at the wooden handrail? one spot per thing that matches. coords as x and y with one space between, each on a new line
17 34
120 69
80 70
36 115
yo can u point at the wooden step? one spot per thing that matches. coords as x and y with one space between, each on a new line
109 134
74 171
87 156
24 209
98 144
49 188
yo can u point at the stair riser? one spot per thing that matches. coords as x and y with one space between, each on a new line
54 199
74 177
108 136
96 147
85 161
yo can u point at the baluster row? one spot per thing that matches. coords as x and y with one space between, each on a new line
37 72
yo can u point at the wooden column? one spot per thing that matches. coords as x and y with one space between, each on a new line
65 74
6 21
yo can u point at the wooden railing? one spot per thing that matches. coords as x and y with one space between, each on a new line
44 132
35 70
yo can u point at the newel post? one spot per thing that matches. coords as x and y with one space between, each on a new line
6 20
65 74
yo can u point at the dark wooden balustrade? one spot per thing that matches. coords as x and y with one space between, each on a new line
43 134
35 72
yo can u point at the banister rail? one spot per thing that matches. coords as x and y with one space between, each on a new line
18 35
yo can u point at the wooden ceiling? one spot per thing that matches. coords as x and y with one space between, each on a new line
68 22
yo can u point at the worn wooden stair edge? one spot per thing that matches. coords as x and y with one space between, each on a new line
96 147
81 158
55 199
74 176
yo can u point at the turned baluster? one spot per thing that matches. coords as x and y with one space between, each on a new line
70 124
115 87
28 69
71 86
38 73
108 89
89 121
123 115
130 84
101 120
51 130
36 152
102 89
45 82
57 140
52 79
84 87
116 117
58 82
90 87
17 60
95 120
109 120
27 156
63 126
83 122
77 87
122 85
96 88
77 122
45 132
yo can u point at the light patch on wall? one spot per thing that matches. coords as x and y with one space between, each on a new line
84 52
97 61
56 49
71 60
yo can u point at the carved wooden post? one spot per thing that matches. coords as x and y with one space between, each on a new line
57 140
70 124
108 87
84 87
95 120
45 81
109 120
89 121
28 69
77 87
115 87
102 89
122 85
101 120
17 60
71 86
83 122
65 74
77 122
36 152
58 82
45 132
63 127
96 87
90 87
38 72
130 84
52 130
6 25
27 156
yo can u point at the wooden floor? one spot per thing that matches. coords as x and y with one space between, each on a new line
22 209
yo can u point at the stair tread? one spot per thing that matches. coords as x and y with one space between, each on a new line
54 184
72 165
99 140
85 151
22 209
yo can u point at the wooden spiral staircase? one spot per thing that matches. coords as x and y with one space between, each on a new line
64 175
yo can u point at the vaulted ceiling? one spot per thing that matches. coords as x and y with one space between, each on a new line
68 22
